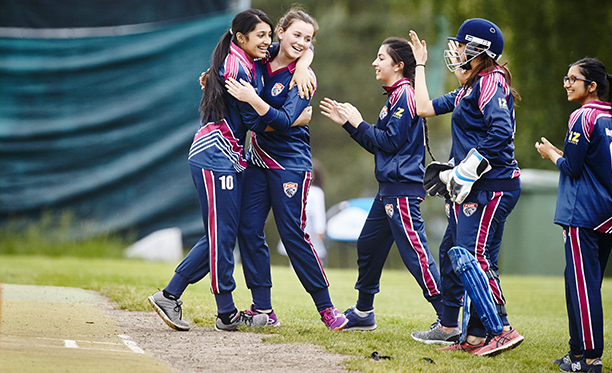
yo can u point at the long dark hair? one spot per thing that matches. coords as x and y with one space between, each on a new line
212 103
486 63
594 70
400 51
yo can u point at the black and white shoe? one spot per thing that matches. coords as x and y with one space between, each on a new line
241 318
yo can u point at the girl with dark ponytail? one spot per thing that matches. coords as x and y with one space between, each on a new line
584 209
216 160
398 143
279 174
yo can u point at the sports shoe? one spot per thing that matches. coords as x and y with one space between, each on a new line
437 335
567 359
499 343
465 347
333 319
169 310
356 322
241 318
272 319
582 366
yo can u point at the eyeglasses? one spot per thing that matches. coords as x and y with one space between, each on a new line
572 79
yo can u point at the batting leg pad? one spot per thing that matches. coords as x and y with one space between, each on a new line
476 285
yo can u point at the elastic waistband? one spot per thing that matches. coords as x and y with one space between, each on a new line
401 189
498 184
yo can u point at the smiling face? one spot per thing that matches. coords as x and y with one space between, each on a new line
295 39
256 42
579 90
387 71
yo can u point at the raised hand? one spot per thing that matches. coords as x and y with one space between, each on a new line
419 48
331 109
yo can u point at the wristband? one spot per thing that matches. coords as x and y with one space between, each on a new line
420 64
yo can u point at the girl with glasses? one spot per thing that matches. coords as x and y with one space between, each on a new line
584 209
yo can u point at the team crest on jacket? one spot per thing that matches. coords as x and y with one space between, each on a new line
389 210
290 189
277 89
383 112
469 208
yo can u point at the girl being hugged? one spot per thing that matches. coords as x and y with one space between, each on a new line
584 209
398 143
480 183
279 175
216 161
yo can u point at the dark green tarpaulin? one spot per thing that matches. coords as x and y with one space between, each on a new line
101 126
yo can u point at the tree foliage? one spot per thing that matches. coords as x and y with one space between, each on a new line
541 39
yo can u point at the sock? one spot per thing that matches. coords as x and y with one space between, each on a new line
169 296
226 317
362 313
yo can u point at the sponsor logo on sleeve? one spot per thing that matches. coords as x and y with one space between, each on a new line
398 114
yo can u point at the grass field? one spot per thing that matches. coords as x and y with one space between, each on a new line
536 306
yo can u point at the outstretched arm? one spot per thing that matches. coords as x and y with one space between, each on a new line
423 103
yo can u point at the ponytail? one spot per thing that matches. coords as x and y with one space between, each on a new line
426 128
212 106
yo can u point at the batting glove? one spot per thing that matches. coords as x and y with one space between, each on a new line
460 179
431 181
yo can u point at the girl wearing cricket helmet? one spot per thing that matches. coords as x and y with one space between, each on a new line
398 142
584 209
480 183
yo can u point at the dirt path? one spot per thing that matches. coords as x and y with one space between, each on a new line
207 350
59 329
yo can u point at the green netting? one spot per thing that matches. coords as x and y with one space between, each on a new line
101 126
